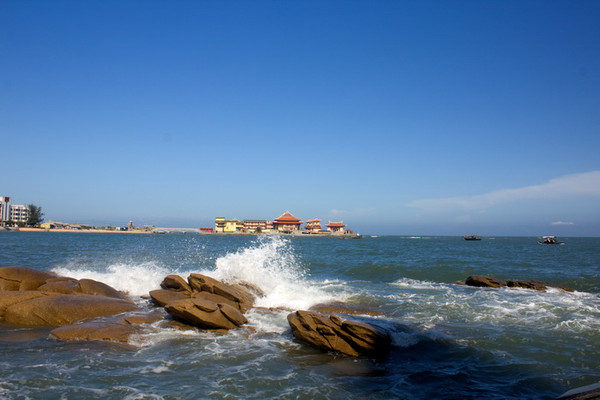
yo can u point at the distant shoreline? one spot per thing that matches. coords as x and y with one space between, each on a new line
158 231
81 230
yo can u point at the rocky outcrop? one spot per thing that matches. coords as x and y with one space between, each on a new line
23 278
58 310
114 329
235 295
38 298
204 302
332 333
536 285
484 281
206 314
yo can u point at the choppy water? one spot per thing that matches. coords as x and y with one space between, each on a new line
451 341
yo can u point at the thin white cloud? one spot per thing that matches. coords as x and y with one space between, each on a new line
562 223
587 183
338 212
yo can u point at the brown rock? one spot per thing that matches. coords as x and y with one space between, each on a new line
238 295
483 281
63 286
10 297
175 282
162 297
96 330
250 287
95 288
535 285
23 278
65 309
215 298
82 286
206 314
348 337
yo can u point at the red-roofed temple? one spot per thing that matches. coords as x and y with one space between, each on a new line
286 222
335 227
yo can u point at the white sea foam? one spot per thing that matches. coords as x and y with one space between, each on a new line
135 279
270 264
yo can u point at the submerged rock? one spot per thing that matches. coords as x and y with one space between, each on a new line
331 333
484 281
535 285
114 329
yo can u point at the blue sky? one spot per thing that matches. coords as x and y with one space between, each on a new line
397 117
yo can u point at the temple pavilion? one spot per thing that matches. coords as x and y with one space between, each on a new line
313 225
286 222
336 227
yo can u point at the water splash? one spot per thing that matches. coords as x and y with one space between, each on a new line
271 264
135 279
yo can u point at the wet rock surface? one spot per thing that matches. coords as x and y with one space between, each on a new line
32 298
204 302
484 281
332 333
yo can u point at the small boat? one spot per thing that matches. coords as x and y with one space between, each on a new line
471 237
550 240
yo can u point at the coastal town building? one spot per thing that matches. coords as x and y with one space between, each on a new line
313 226
286 222
257 226
336 227
13 212
223 225
4 209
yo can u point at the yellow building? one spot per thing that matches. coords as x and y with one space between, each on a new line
228 226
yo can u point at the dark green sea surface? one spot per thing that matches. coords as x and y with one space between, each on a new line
450 341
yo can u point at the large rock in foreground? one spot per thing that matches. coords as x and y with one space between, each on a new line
114 329
39 298
352 338
58 310
23 278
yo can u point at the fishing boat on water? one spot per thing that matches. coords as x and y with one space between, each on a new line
550 240
471 237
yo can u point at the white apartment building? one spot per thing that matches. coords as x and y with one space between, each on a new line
19 213
12 212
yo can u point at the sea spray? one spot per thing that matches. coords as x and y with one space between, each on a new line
271 264
135 279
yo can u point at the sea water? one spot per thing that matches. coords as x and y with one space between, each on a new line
450 341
